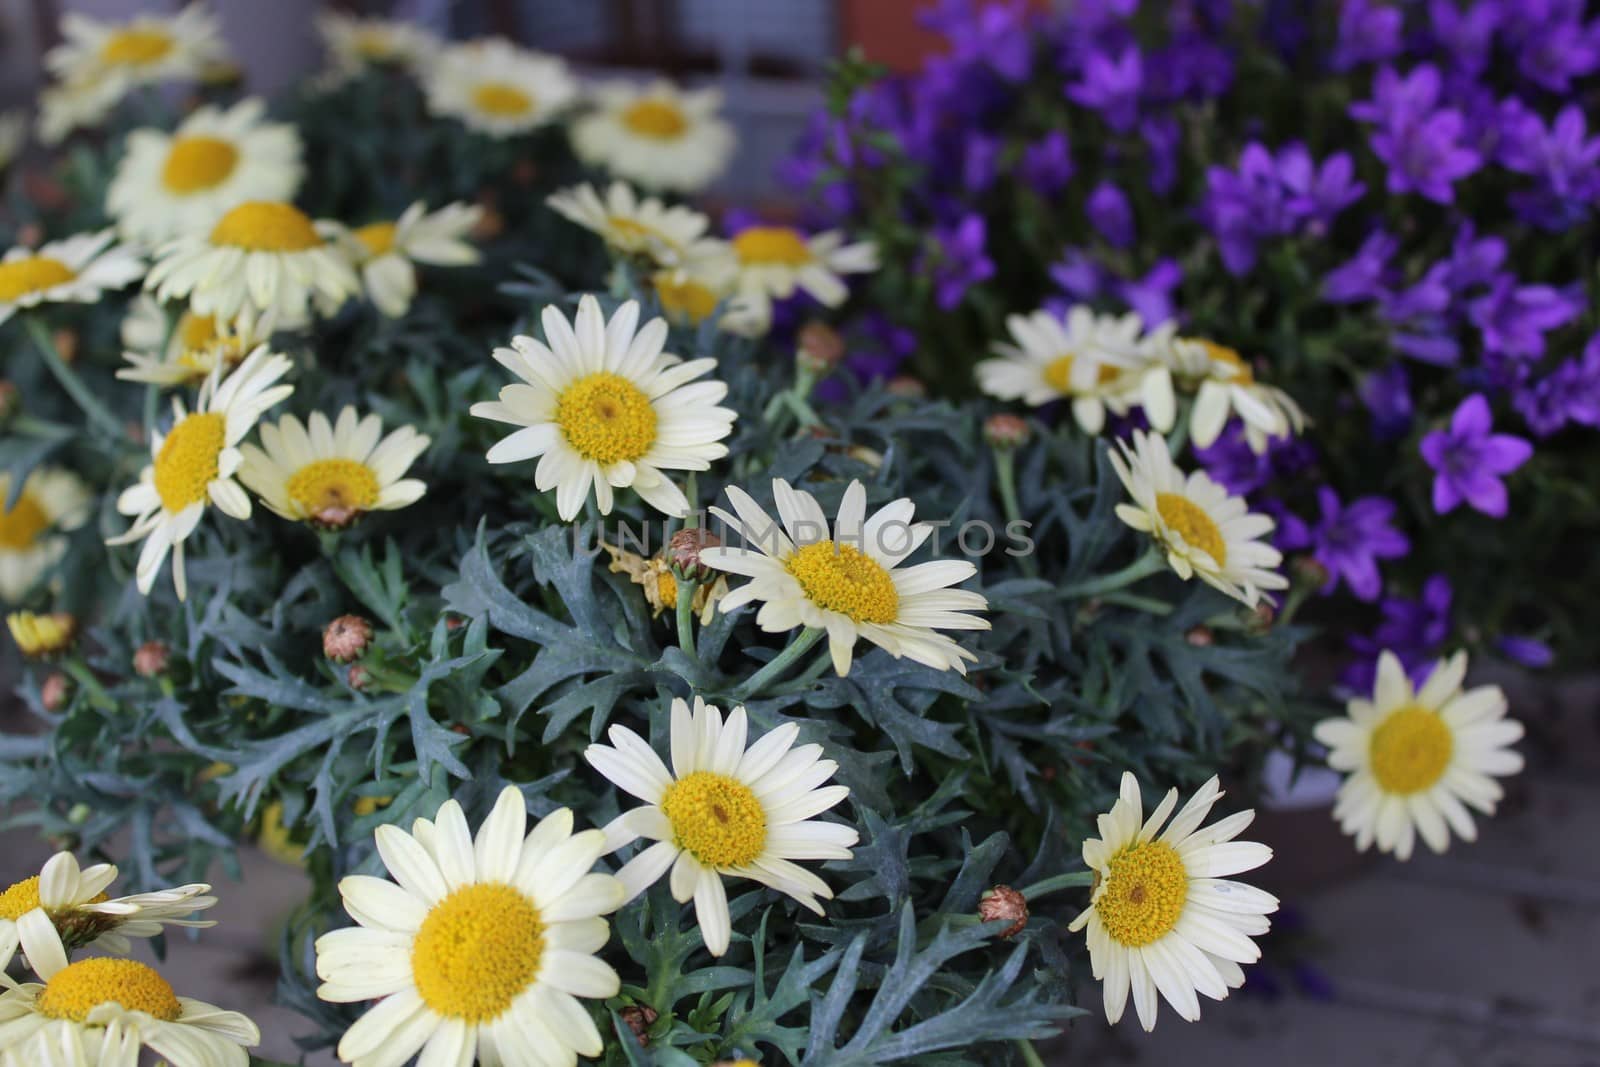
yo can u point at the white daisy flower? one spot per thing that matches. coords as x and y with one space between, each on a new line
723 811
1416 760
1224 383
13 136
264 256
70 106
850 583
1090 359
631 226
170 184
52 501
387 252
64 907
1203 529
194 464
602 405
354 43
99 1011
191 349
498 89
692 291
331 474
658 135
483 948
75 269
141 51
1163 917
774 261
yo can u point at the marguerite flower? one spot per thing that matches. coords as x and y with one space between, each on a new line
106 1009
194 347
72 105
691 292
141 51
657 135
331 475
498 89
1203 529
40 636
1417 759
169 184
604 407
1090 359
774 261
386 252
76 269
484 946
631 226
724 810
1162 916
264 256
1224 384
194 464
52 501
355 43
64 908
850 583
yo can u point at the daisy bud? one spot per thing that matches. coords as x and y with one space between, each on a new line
683 554
30 234
39 636
640 1017
10 399
66 342
820 348
53 693
358 677
346 638
79 814
906 386
1003 902
1310 571
1005 430
1199 636
150 659
1261 618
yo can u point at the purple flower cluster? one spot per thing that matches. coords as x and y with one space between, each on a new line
1275 194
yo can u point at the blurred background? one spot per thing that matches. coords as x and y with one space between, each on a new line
1485 957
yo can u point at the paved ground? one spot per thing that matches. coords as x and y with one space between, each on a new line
1486 957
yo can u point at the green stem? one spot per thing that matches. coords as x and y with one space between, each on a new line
98 697
1005 473
1071 880
97 412
780 663
1149 563
685 613
1148 604
1029 1056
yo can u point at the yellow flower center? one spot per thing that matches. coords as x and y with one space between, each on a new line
196 164
1190 520
1411 750
136 47
266 226
844 579
1231 361
376 44
772 244
1058 375
21 526
606 418
336 485
32 275
717 819
502 99
187 462
79 988
1144 894
686 301
196 331
660 119
477 950
22 897
377 238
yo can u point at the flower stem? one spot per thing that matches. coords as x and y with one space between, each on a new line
1005 473
97 412
1029 1056
1146 565
1071 880
98 697
780 663
685 613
